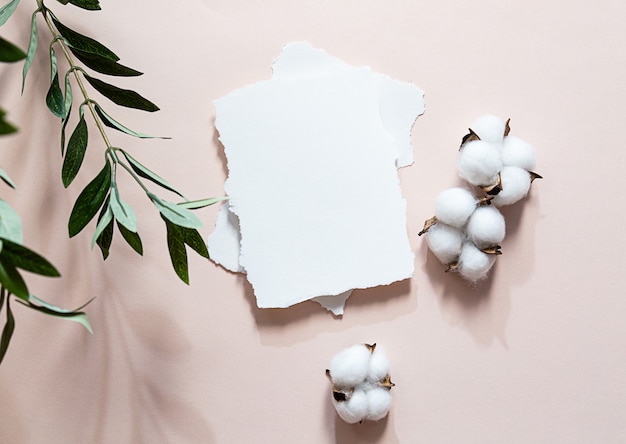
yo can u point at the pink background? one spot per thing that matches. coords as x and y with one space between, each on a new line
537 353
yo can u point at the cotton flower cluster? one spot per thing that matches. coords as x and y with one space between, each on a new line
466 232
361 383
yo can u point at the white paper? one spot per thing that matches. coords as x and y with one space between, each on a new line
312 158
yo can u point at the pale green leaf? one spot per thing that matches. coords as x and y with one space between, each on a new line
195 204
10 223
175 213
6 179
7 10
32 48
123 212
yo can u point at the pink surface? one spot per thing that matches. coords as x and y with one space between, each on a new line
534 354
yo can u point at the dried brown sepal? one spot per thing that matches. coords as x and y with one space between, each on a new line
339 396
495 250
485 200
469 137
386 383
452 266
507 127
427 224
328 375
371 347
534 176
494 190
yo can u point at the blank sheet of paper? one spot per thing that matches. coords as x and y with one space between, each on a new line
315 203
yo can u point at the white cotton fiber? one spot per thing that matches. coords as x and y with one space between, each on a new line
378 403
355 409
516 152
486 227
489 128
378 366
445 242
349 367
366 383
473 263
479 162
515 185
454 206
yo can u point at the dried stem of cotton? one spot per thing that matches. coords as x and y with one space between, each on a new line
454 206
479 163
486 227
361 388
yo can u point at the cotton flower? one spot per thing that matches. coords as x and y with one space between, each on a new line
473 263
479 162
466 231
518 153
454 206
361 387
445 242
515 185
486 227
490 128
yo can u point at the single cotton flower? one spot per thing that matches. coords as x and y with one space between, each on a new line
361 388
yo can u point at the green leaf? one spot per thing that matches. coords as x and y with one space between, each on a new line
5 127
144 172
10 223
32 48
7 10
90 200
112 123
195 204
106 237
104 65
92 5
123 212
82 42
178 253
194 239
26 259
9 52
6 179
131 238
104 220
52 310
176 214
12 280
76 148
54 98
122 97
63 2
7 332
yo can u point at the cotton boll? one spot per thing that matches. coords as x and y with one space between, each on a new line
454 206
489 128
445 242
515 185
378 366
355 409
473 263
479 162
349 367
378 403
485 227
516 152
